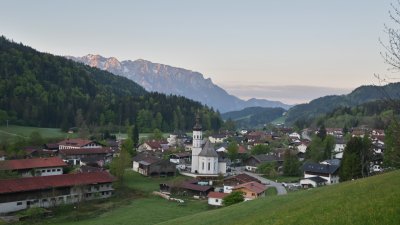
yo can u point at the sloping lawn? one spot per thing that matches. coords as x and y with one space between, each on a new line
373 200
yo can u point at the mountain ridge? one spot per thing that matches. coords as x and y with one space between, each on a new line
157 77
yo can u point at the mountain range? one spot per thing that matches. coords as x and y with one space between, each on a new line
155 77
303 113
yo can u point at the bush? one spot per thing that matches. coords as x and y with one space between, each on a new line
233 198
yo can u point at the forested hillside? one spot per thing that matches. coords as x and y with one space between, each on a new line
39 89
306 113
254 116
376 114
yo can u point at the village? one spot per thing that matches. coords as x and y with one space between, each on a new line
211 168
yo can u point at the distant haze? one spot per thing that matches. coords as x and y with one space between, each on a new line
288 94
239 44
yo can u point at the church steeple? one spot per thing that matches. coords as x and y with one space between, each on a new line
197 125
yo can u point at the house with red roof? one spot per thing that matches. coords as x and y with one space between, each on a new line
48 191
35 166
251 190
78 143
216 198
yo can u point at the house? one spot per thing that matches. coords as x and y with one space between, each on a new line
231 182
78 143
51 146
35 166
217 138
312 182
74 156
335 132
153 166
181 159
327 171
48 191
153 146
177 139
255 160
215 198
251 190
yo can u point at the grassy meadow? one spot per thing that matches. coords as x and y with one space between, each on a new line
13 132
373 200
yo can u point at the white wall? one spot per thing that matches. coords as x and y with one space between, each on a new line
215 201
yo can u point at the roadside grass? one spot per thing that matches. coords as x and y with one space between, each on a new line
13 132
271 191
372 200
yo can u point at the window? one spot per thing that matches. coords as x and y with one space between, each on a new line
209 166
43 171
202 165
48 171
58 169
216 200
19 203
53 170
253 194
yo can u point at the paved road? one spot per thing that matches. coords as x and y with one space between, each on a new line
281 190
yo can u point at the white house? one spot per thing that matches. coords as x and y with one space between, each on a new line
325 170
216 198
340 145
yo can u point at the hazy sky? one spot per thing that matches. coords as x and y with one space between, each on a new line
246 47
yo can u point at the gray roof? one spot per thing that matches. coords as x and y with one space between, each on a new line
208 150
335 162
320 168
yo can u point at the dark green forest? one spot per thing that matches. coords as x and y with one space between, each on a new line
43 90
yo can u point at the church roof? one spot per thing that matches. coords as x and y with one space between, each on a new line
208 150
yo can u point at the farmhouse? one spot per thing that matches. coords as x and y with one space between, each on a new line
35 166
78 143
153 146
22 193
75 156
251 190
148 165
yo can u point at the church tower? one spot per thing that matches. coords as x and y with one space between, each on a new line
197 144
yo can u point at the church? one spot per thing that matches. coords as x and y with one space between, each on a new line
204 158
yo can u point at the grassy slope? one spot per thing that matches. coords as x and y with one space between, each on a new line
11 132
135 205
374 200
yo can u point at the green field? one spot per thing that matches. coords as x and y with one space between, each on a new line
373 200
12 132
285 179
132 205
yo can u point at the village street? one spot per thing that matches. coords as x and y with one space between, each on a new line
280 189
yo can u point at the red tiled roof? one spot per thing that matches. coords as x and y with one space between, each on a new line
85 151
20 164
242 150
75 142
252 186
155 144
46 182
219 195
